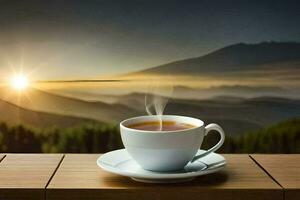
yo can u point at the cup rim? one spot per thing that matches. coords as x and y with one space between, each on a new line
154 132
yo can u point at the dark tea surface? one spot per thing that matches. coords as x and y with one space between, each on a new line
164 126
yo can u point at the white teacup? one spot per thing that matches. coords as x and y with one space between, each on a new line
167 150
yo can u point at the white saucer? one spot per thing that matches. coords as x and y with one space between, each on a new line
120 162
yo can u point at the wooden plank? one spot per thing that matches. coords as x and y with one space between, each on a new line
25 176
285 169
1 157
78 177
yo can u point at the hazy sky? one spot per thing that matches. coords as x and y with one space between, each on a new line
87 39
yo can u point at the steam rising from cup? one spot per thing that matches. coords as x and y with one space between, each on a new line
156 100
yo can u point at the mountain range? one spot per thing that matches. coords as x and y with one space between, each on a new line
236 58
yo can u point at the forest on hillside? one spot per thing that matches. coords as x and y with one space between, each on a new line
283 137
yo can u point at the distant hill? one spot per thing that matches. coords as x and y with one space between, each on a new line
13 114
235 58
38 100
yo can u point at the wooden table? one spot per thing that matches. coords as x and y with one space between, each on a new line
76 176
285 170
25 176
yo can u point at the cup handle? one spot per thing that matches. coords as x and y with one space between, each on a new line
209 128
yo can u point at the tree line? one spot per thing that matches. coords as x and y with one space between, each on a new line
283 137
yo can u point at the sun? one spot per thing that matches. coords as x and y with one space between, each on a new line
19 82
